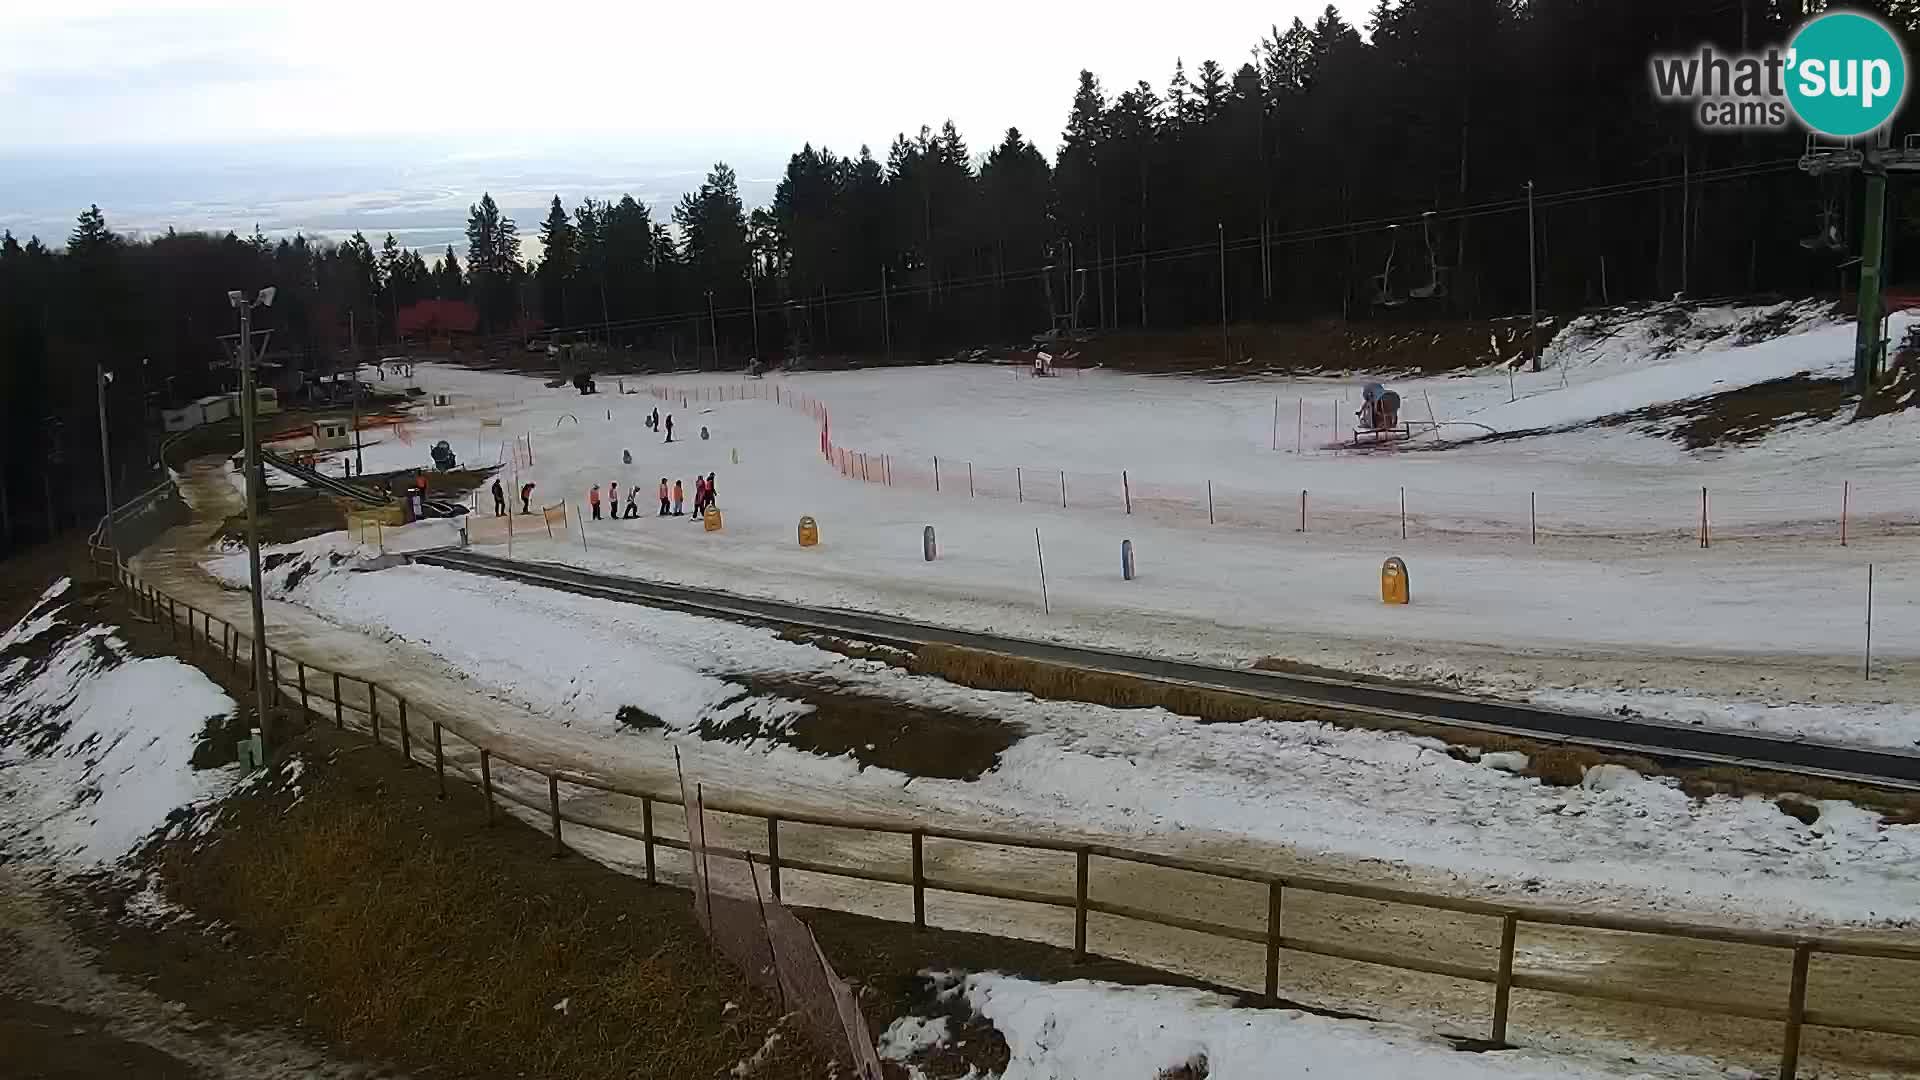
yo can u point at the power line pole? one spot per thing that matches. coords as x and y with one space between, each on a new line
886 317
753 313
1226 352
101 377
1533 289
1686 214
713 328
249 402
353 391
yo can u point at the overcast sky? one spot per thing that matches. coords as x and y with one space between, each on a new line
112 72
218 114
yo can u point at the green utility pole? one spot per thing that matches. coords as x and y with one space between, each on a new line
1876 158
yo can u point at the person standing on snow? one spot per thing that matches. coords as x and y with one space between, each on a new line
679 500
593 500
499 499
613 498
526 493
633 503
669 427
663 497
713 503
699 495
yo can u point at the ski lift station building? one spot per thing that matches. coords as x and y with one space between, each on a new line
217 407
330 434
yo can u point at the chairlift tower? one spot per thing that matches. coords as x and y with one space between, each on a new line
1875 158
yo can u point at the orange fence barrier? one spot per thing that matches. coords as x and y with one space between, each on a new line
1842 512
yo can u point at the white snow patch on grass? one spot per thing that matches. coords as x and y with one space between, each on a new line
908 1035
1085 1028
97 747
1824 351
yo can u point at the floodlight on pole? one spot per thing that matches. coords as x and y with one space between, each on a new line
256 484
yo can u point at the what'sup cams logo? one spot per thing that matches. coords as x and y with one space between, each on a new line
1844 74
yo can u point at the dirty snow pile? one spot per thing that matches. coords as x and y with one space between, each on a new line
95 742
1085 1028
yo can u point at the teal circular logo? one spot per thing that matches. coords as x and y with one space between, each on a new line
1846 74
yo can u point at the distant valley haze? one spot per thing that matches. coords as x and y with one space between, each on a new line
396 116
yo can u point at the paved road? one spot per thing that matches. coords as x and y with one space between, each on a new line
1653 738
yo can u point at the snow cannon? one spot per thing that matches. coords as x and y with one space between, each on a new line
443 456
583 382
1378 419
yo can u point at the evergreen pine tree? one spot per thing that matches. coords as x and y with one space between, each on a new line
559 261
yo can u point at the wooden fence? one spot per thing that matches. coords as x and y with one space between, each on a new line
313 683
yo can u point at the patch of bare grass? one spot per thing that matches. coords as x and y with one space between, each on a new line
419 936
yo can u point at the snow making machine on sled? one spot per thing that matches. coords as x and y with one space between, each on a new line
1377 423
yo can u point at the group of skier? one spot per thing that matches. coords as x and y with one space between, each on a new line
673 498
654 423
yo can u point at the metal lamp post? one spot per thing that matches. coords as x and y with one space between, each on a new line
249 403
101 377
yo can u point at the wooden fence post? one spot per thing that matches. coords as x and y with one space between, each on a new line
1209 502
919 881
553 803
373 710
936 474
1080 906
1846 493
303 687
773 854
486 784
1274 895
646 831
173 620
1706 537
406 739
1126 490
1403 513
439 751
1796 1012
1533 517
1063 489
1019 486
969 479
1503 981
339 711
